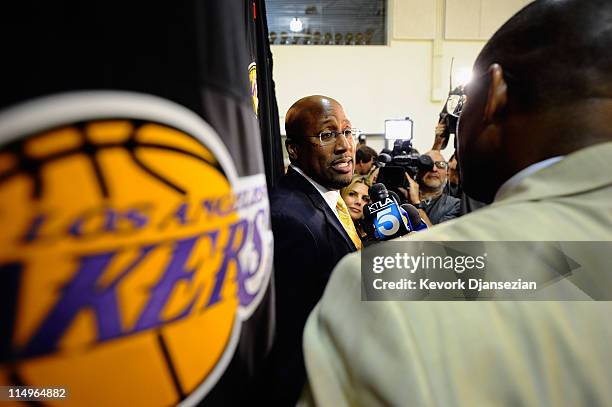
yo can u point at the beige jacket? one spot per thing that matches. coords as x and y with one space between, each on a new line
522 353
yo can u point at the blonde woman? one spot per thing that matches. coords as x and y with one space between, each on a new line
356 197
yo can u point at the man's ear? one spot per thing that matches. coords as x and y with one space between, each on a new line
292 150
497 94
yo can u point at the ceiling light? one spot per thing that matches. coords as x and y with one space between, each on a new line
296 25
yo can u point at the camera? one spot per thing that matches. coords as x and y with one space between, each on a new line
451 112
403 155
403 159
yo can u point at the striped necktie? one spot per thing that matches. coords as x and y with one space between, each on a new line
347 222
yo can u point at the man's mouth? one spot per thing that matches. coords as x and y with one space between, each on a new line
343 166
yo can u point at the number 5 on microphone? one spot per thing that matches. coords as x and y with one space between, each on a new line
387 222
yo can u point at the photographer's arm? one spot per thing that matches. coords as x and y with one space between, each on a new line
373 175
441 134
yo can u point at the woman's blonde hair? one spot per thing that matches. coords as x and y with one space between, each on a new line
357 179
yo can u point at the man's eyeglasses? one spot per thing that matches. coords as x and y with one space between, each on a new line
443 165
328 137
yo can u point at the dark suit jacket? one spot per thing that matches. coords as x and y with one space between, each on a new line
443 208
308 242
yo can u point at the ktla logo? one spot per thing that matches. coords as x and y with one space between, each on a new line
131 249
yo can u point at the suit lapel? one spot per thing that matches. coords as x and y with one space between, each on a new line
317 200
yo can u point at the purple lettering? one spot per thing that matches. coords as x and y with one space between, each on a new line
138 219
223 206
227 205
160 294
230 254
210 206
244 275
181 214
34 229
84 292
110 220
76 228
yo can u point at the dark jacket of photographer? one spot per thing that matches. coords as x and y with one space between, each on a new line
467 204
442 208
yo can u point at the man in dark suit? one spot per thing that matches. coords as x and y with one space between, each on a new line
310 231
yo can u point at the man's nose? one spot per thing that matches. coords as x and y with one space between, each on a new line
342 143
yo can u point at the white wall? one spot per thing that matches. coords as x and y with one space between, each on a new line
375 83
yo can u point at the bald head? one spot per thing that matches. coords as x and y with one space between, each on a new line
303 113
554 52
436 155
542 88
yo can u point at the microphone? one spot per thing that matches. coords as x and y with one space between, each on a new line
393 195
388 220
414 219
384 158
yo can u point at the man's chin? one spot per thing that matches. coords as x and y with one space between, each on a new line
339 181
433 184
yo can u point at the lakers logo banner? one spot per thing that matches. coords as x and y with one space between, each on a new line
130 250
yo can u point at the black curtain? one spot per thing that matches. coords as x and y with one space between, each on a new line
259 46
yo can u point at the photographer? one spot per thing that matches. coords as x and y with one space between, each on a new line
364 160
428 195
453 186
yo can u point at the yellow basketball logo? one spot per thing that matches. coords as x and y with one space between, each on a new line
253 83
132 249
